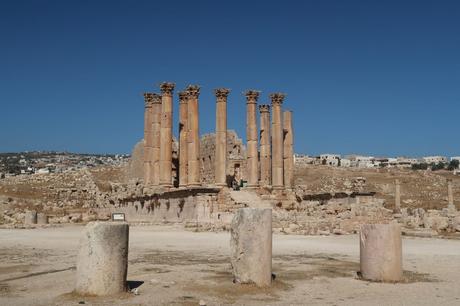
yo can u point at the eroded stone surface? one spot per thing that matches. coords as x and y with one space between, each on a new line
381 252
251 246
102 263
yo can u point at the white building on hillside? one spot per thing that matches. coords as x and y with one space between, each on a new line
435 159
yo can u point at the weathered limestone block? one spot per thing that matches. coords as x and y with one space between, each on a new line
42 218
30 217
251 246
381 252
102 263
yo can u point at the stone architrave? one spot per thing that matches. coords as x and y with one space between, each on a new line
148 137
156 128
102 263
381 252
251 138
251 246
183 145
288 153
194 180
397 196
265 145
277 141
221 136
166 134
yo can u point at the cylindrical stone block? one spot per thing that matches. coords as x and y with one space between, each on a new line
193 134
397 196
288 147
102 263
277 141
183 155
381 252
42 218
251 246
30 217
450 193
251 138
221 136
265 146
166 134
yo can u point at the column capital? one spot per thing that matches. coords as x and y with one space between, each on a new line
156 98
264 108
277 98
252 96
148 99
167 88
183 95
221 94
193 91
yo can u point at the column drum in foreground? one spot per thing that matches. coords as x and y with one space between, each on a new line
102 263
381 252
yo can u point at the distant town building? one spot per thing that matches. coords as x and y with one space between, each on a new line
330 159
435 159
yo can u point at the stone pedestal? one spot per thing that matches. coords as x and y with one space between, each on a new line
193 151
265 146
288 153
221 136
102 263
30 217
277 141
381 252
397 196
166 134
251 138
42 218
251 246
183 146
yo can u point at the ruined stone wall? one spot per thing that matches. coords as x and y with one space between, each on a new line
236 157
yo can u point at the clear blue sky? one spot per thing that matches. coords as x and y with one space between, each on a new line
371 77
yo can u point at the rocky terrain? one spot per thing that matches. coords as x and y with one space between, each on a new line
326 200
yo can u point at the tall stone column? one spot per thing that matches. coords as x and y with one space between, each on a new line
221 136
156 130
148 137
277 141
251 138
166 134
193 152
397 196
265 145
450 195
288 147
183 145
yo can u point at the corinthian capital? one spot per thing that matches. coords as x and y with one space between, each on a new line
167 88
221 94
264 108
193 91
183 95
148 99
156 98
277 98
252 96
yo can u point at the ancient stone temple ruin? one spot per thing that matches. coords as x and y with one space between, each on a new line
267 160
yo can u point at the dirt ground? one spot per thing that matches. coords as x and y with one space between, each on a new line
170 266
419 189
